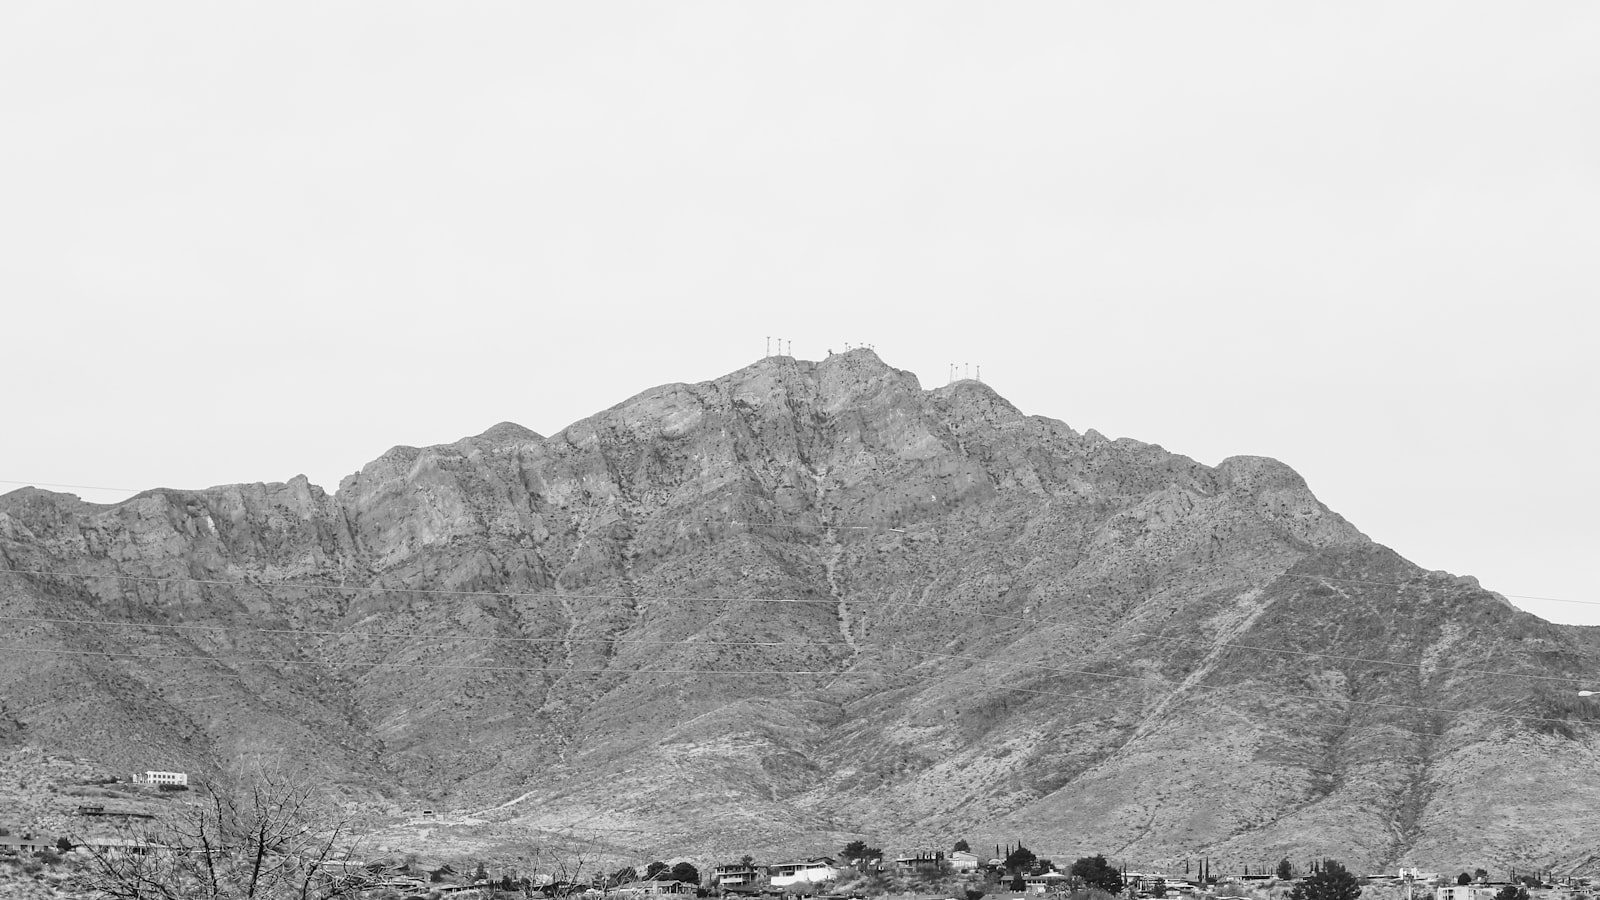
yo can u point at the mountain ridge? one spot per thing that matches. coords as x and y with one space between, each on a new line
1020 629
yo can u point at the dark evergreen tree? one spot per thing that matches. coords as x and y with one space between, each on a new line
1332 881
1017 884
1285 871
1463 879
654 869
685 873
1020 859
962 845
1095 872
1512 892
858 853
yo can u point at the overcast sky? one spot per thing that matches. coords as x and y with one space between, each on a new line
245 241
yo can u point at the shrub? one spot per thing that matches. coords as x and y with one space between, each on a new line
1331 882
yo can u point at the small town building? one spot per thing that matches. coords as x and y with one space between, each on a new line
654 888
735 875
811 871
116 846
963 862
928 861
1465 892
1044 882
170 778
26 845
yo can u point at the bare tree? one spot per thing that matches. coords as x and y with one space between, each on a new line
268 840
568 870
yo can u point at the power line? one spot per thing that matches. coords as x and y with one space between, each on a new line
832 525
1405 706
524 595
369 589
225 661
889 648
1423 584
222 660
81 487
1033 620
838 526
310 632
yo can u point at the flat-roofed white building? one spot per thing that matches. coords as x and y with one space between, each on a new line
162 778
1465 892
733 875
811 871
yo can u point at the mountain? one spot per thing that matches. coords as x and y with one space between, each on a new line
801 603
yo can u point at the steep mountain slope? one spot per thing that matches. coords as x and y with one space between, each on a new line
806 601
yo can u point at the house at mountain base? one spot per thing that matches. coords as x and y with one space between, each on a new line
811 871
26 845
734 875
963 862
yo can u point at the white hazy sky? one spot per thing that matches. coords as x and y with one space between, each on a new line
247 240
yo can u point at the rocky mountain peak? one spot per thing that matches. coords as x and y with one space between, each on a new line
508 433
804 602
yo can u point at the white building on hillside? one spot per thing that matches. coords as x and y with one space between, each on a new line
1465 892
811 871
162 778
733 875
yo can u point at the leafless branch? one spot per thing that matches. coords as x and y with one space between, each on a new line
268 840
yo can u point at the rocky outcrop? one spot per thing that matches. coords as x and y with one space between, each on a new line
802 602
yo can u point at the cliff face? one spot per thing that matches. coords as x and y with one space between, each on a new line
803 602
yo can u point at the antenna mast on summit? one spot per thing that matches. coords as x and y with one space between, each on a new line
791 348
980 374
769 345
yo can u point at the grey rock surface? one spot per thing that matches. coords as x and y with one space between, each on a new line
804 602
